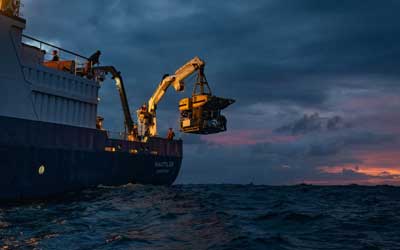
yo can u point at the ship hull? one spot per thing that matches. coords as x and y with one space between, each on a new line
68 170
49 143
38 163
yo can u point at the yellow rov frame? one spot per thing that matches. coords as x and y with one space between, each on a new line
201 114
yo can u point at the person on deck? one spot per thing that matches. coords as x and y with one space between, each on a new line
56 57
92 61
143 109
95 58
171 134
135 132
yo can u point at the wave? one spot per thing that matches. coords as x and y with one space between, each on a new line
208 217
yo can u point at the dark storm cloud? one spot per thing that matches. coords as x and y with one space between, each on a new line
264 51
314 123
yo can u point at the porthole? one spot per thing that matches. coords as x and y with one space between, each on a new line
41 170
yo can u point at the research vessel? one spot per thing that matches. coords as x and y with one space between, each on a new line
52 139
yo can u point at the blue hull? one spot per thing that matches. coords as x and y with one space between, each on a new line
38 163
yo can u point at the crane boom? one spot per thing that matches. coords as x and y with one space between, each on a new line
148 117
175 80
116 75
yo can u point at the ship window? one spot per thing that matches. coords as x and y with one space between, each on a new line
110 149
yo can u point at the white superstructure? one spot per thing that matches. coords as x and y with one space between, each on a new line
30 90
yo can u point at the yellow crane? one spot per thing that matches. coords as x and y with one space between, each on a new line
199 114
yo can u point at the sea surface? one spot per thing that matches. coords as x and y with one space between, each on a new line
208 217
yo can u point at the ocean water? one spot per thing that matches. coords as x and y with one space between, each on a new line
208 217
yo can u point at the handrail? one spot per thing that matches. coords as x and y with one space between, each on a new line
53 46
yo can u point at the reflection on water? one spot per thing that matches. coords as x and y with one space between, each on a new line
208 217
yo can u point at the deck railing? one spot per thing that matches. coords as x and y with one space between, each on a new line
79 60
42 44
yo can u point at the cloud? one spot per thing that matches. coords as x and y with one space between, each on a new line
275 51
314 123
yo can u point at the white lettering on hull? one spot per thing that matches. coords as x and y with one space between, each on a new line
162 171
164 164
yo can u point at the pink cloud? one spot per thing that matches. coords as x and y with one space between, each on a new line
380 167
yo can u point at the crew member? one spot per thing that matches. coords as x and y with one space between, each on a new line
99 123
95 58
56 57
135 132
143 109
92 61
171 134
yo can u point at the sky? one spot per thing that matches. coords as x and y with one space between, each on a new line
316 83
